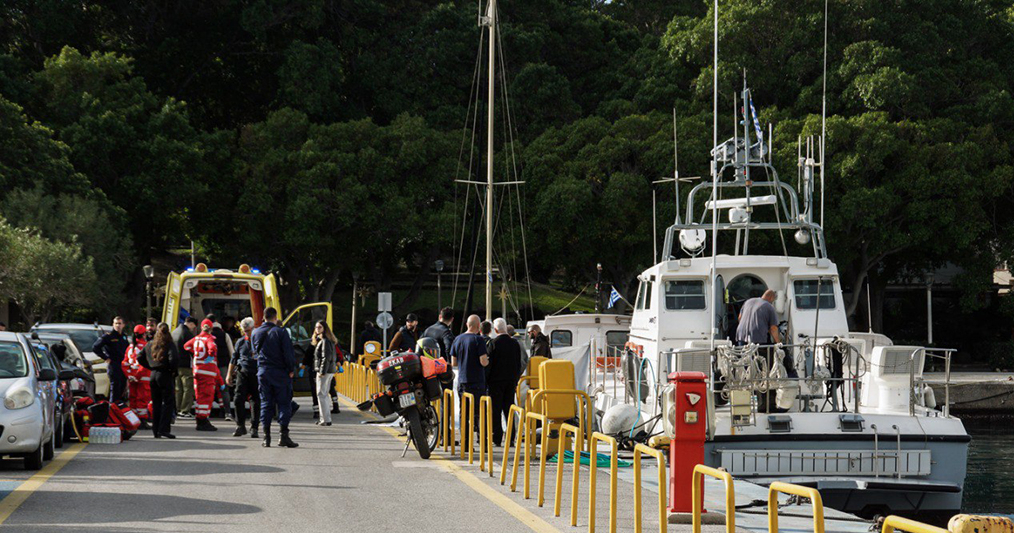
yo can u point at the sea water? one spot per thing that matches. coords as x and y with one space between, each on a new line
989 485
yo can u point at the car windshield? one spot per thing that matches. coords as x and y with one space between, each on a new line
12 360
84 339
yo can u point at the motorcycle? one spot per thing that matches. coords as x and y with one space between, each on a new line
413 382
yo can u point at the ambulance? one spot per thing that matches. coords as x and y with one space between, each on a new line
200 291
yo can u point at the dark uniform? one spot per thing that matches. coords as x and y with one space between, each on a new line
111 347
246 383
276 361
502 379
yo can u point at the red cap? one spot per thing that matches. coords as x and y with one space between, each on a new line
207 323
140 329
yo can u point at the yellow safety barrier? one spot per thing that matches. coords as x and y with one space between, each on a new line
805 492
593 463
578 446
486 434
468 399
698 496
447 421
891 523
517 445
530 420
584 414
663 519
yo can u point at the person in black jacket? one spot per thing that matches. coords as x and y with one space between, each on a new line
441 332
405 339
504 371
540 343
243 369
160 356
369 333
184 385
111 347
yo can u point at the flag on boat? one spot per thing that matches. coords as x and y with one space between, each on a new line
757 126
614 297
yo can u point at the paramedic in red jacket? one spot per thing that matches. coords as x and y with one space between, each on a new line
207 378
138 377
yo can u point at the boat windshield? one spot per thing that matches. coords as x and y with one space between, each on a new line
12 360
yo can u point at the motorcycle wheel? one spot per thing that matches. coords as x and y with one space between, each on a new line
432 427
416 432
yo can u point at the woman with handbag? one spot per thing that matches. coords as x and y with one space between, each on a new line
325 364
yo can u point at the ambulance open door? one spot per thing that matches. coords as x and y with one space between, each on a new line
173 294
299 324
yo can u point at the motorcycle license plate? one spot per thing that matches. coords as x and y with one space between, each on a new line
406 400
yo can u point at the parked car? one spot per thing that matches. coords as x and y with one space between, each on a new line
66 375
59 344
84 336
29 408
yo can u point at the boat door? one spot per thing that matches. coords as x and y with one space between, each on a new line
721 309
173 293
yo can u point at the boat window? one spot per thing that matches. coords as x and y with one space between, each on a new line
744 287
682 295
561 337
12 361
616 338
639 301
806 293
647 294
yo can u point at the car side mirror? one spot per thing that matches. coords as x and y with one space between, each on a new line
67 375
47 374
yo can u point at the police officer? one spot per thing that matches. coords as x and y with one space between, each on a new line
111 347
243 368
276 365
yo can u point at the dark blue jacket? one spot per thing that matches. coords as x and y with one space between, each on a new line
111 347
273 348
243 356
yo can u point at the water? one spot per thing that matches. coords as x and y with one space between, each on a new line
989 485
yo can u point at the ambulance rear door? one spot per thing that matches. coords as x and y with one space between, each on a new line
173 294
299 324
271 293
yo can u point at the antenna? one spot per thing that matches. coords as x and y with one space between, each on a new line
714 179
675 165
823 120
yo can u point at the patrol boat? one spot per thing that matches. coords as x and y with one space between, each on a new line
849 413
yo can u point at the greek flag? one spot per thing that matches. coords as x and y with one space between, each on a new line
757 126
614 297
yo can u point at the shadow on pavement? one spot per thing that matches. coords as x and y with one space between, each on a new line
135 467
98 507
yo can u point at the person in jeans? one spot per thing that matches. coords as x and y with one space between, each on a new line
184 373
504 372
469 356
325 365
160 356
243 368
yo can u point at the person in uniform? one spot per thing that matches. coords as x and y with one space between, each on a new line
111 347
276 365
207 378
243 367
138 377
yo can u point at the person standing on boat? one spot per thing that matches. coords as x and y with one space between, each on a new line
540 343
758 324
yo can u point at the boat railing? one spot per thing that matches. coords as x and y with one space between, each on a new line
939 354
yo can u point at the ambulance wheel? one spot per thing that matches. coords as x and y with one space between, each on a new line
49 448
33 461
59 432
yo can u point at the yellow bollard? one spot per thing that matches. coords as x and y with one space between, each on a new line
468 399
517 445
578 446
448 419
530 420
593 464
663 519
806 492
486 433
698 496
966 523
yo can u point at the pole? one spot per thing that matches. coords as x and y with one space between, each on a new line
929 311
193 256
440 299
714 174
147 290
491 20
352 339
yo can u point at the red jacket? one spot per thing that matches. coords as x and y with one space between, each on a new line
204 349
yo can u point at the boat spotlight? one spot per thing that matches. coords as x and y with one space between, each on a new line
802 236
692 239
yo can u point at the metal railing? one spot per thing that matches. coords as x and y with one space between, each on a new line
593 466
530 420
697 495
663 519
486 434
519 440
566 429
892 523
468 404
447 420
805 492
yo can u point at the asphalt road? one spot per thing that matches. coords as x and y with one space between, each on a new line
347 477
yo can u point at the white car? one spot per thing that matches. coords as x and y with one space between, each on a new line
28 413
84 336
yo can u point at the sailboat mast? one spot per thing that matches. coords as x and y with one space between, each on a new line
491 20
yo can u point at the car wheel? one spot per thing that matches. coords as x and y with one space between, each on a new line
58 430
33 461
49 448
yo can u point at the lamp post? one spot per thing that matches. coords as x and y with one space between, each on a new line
438 265
149 274
929 309
598 288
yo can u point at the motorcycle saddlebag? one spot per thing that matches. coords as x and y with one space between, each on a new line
433 389
384 405
401 367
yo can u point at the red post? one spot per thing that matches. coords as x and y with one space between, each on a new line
686 450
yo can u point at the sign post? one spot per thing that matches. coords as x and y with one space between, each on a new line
384 319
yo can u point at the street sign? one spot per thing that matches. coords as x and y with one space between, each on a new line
383 302
385 320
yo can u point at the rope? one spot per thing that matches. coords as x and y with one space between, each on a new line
572 301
